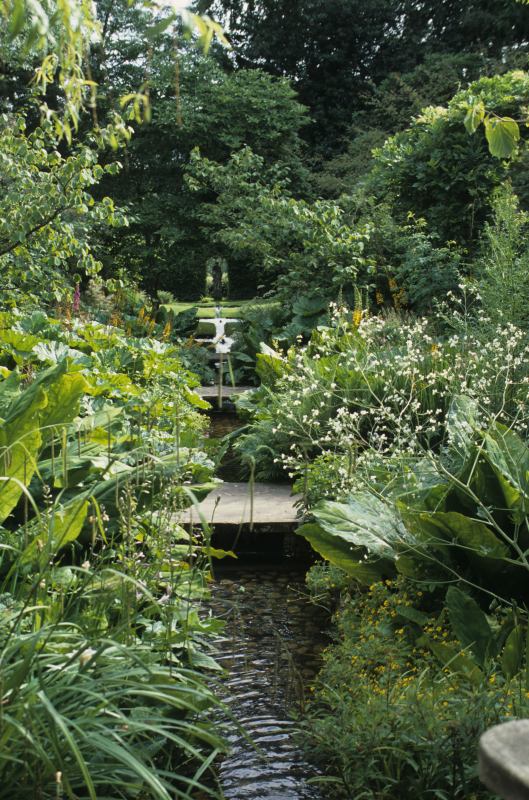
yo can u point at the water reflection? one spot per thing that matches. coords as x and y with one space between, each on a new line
270 648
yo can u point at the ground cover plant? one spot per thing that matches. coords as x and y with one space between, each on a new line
387 716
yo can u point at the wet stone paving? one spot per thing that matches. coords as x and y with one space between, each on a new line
270 649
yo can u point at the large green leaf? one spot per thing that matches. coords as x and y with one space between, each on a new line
449 527
9 391
270 365
341 553
364 521
413 615
102 419
309 305
474 116
512 656
64 395
470 624
20 442
502 135
64 526
418 565
26 398
461 426
509 458
52 400
18 344
83 471
421 487
196 400
456 661
54 352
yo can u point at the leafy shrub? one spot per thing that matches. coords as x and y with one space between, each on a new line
503 262
456 516
47 213
413 267
436 170
295 246
259 323
274 324
327 476
368 388
101 644
386 720
165 297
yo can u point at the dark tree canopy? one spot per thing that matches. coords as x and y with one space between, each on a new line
200 106
335 52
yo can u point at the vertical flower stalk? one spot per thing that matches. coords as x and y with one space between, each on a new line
76 305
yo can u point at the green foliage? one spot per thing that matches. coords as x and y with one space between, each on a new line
439 172
387 720
458 516
47 213
141 743
389 106
414 270
290 245
503 261
165 244
502 133
470 625
99 451
130 382
259 324
365 391
341 55
426 271
59 36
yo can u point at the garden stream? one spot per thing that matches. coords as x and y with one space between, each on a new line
270 649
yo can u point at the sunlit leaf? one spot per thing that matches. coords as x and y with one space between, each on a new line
475 116
502 134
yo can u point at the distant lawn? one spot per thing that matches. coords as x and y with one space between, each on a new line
206 310
206 328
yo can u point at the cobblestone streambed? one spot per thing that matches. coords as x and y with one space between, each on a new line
270 649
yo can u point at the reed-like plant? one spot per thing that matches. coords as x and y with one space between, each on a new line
103 654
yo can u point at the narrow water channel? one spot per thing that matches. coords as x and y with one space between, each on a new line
270 649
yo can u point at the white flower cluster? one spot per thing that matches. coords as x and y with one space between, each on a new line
359 395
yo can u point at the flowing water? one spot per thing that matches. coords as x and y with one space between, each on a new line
270 649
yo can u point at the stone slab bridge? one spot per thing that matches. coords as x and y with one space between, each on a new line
265 505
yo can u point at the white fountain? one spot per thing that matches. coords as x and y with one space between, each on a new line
221 342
